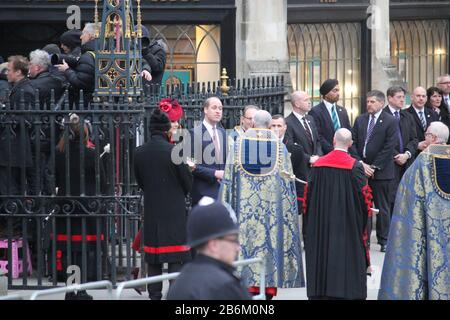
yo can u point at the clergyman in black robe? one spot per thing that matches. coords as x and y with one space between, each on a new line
338 203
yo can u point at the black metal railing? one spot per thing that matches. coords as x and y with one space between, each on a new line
68 193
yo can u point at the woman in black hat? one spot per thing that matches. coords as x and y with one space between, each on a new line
165 185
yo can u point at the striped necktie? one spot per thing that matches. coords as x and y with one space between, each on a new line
370 129
399 131
216 142
334 117
308 132
422 120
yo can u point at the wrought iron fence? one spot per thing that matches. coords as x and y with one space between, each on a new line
69 195
419 50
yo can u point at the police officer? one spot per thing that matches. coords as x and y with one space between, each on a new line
212 231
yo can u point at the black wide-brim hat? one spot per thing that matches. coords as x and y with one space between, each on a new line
210 220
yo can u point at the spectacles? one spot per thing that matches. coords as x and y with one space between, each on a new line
248 118
428 134
448 82
235 240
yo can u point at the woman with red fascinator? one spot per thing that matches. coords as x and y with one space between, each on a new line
175 112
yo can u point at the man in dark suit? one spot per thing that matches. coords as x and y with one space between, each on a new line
299 164
301 128
406 143
302 135
328 115
208 147
422 116
374 134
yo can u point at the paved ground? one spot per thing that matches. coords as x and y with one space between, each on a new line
377 259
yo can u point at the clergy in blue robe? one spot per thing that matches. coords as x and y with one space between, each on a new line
258 185
416 266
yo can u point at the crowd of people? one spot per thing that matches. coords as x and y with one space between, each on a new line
38 82
271 169
264 174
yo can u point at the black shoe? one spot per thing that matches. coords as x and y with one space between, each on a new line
383 248
80 295
70 296
83 295
155 296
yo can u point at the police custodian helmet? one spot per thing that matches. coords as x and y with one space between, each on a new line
210 220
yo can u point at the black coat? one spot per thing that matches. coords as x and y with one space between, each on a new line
81 206
299 166
430 116
45 82
206 278
409 137
337 216
83 76
4 88
165 187
12 136
205 183
380 147
155 56
444 116
325 126
295 133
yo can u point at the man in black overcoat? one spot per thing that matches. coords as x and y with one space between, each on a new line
406 137
15 142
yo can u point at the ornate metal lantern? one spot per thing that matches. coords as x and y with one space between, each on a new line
118 60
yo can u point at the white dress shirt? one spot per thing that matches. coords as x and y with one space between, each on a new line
210 129
300 118
330 111
377 115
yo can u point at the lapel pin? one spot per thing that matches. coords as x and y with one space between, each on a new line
381 121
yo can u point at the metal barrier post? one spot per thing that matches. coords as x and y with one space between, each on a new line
12 297
76 287
140 282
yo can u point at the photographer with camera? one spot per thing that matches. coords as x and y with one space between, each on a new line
42 79
82 75
154 53
71 43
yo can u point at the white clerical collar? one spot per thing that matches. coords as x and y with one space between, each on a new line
339 149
